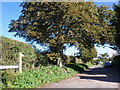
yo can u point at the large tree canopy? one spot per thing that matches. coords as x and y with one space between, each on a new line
58 23
116 22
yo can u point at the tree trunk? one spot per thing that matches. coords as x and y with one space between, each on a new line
58 49
59 62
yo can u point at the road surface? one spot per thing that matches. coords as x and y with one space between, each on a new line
94 77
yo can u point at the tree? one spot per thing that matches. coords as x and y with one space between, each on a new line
88 54
104 56
116 23
58 23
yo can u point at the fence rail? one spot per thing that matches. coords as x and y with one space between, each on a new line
8 66
14 66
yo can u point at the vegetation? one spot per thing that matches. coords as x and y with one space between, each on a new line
80 24
39 77
88 54
58 23
115 22
31 76
77 67
116 62
103 57
10 54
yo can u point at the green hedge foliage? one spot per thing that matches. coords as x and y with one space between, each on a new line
116 62
37 77
10 54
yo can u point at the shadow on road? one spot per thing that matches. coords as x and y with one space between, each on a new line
102 74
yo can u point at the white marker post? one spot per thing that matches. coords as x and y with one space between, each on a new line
20 62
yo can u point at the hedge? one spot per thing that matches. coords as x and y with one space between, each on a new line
10 52
116 62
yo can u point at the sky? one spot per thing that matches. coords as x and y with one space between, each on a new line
12 10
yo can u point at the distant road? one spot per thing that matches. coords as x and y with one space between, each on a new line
94 77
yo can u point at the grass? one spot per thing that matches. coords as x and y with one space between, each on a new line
47 74
89 64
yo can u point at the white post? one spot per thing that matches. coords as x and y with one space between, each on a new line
20 62
59 62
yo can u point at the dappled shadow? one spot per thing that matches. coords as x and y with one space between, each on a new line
98 70
84 65
75 67
102 74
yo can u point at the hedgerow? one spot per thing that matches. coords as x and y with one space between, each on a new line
30 77
10 54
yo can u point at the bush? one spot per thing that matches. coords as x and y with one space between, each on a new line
41 60
7 77
38 77
53 58
116 62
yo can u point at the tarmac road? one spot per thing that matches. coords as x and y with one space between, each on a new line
94 77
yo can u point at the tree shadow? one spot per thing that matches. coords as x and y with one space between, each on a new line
102 74
77 67
86 67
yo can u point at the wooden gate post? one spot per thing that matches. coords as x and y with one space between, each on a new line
20 62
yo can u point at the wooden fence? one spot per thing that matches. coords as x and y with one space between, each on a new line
14 66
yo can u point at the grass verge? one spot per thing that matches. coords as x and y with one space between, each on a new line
39 77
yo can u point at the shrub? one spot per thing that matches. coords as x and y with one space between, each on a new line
53 57
38 77
116 62
7 77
